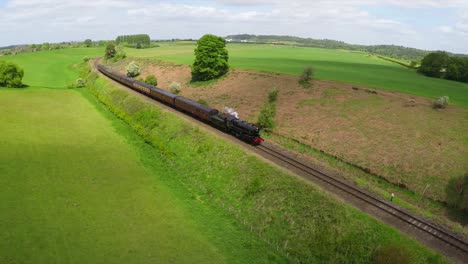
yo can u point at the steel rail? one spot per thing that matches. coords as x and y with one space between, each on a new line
445 236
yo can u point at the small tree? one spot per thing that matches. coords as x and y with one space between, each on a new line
110 51
306 76
10 74
211 58
151 80
133 69
174 87
88 43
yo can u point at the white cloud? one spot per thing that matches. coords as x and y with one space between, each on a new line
28 21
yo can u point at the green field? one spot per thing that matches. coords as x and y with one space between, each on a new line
339 65
52 69
301 221
75 187
78 185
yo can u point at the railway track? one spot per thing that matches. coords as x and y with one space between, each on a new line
458 243
457 246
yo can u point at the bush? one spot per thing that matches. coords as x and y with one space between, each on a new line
80 83
10 74
306 76
133 69
442 102
273 95
151 80
457 192
174 87
85 59
266 119
120 53
392 254
110 51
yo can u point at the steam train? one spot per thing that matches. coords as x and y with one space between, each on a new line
225 122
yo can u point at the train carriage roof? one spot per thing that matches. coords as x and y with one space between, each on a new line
197 105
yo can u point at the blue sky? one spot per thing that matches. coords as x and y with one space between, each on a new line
425 24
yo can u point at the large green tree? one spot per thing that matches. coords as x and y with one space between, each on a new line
433 64
88 43
211 58
457 69
10 74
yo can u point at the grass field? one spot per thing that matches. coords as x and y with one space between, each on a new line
300 220
339 65
75 186
52 69
79 186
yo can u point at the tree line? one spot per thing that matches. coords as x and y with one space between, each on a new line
137 41
441 65
394 51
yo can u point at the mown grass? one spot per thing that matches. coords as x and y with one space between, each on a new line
74 191
52 69
300 221
338 65
79 186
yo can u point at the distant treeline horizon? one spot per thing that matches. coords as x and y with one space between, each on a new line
395 51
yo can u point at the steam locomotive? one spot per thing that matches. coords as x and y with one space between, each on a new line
225 122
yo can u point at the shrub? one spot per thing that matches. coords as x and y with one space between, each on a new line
85 59
273 95
174 87
457 192
266 119
391 254
110 51
151 80
120 53
10 74
306 77
133 69
80 83
442 102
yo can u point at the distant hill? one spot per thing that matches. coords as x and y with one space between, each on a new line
12 47
398 52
